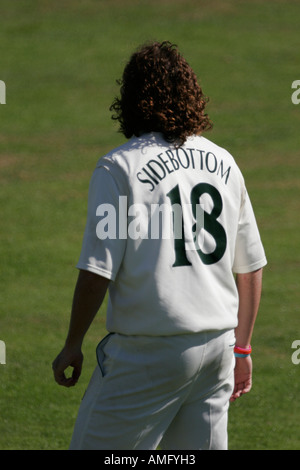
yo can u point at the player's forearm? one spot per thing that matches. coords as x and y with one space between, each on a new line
249 288
89 294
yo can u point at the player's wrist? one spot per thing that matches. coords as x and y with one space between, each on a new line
242 351
73 344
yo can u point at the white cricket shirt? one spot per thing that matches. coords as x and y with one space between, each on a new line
170 227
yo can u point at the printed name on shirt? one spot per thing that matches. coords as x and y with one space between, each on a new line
158 168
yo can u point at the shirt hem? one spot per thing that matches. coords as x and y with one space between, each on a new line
96 270
250 268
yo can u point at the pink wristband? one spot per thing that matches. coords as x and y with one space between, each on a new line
245 351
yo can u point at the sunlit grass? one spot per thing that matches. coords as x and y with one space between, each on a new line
59 61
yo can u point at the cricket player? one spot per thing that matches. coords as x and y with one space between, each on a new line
171 234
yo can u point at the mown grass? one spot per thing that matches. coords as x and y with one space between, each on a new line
59 61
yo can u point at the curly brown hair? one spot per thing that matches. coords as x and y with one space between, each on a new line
160 93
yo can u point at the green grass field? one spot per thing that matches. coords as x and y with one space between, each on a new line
59 61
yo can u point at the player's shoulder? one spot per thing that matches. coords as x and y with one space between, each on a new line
211 146
221 153
134 145
112 156
118 164
124 158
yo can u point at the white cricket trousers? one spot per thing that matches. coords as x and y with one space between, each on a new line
169 391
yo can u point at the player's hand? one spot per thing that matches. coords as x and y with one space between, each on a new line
68 358
242 377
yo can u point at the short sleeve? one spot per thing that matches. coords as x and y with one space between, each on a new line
249 251
102 248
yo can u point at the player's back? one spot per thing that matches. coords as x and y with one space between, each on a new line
174 254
